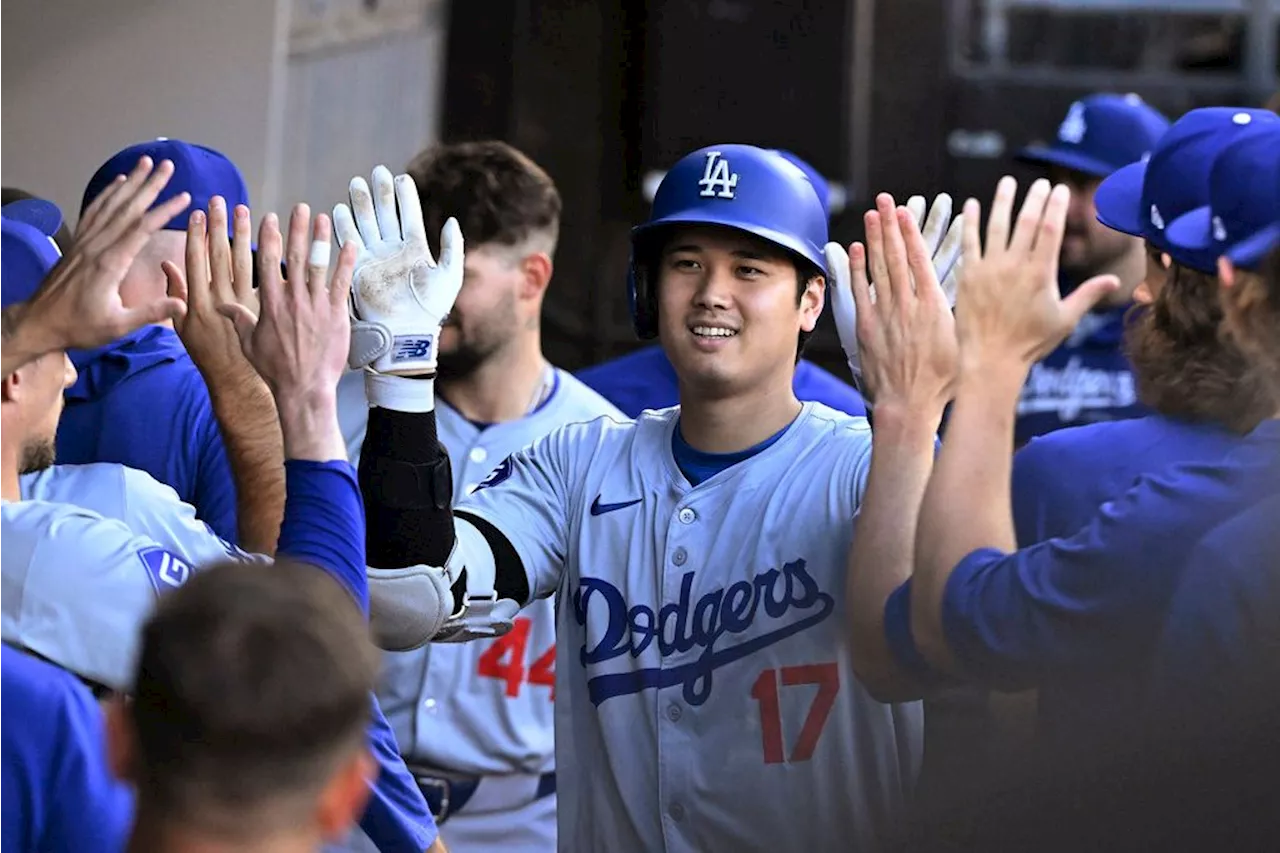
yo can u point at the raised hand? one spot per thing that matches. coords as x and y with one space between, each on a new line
941 236
298 342
400 294
941 246
905 333
1009 309
218 272
79 306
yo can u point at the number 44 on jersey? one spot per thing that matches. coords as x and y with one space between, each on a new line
505 660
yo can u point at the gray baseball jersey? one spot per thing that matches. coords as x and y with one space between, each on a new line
483 708
706 700
86 555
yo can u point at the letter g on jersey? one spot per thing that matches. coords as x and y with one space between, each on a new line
166 570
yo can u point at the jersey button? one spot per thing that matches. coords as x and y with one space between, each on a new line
677 812
679 556
478 454
687 516
673 712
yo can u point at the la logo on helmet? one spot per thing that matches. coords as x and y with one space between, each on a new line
717 180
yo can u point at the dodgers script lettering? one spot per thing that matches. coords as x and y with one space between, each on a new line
787 601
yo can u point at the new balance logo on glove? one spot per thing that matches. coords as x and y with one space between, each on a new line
411 347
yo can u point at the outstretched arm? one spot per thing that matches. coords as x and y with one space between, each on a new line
430 578
905 341
220 272
1009 314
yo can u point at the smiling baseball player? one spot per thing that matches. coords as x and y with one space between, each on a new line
704 694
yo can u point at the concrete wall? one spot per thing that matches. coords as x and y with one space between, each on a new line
84 78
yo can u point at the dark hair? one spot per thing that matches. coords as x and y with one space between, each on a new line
497 193
1184 366
253 687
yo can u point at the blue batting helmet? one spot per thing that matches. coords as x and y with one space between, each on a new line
743 187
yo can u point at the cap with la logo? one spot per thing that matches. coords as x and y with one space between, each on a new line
1100 134
1144 198
1244 195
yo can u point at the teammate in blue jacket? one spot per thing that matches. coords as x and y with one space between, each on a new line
1201 389
140 400
1220 647
1086 378
1080 613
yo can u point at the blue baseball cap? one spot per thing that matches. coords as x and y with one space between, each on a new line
820 185
1143 198
1250 251
198 170
1244 195
1100 134
27 249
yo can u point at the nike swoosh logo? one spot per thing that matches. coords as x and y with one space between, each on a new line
598 508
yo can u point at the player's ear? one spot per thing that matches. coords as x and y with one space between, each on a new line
812 300
343 799
13 383
122 746
537 268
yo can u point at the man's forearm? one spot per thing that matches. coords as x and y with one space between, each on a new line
404 478
251 434
880 558
967 504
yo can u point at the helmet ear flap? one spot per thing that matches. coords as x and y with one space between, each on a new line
643 299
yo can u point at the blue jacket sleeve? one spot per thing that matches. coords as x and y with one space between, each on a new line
324 525
1031 477
324 522
1089 603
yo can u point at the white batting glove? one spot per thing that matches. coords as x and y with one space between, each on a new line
399 294
942 236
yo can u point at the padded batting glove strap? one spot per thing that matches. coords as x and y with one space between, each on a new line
400 393
413 606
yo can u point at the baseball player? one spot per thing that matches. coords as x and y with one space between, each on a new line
140 400
645 379
1222 631
475 720
1200 387
705 699
78 584
1077 616
1086 379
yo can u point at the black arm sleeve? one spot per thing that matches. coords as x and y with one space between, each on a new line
407 489
402 469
